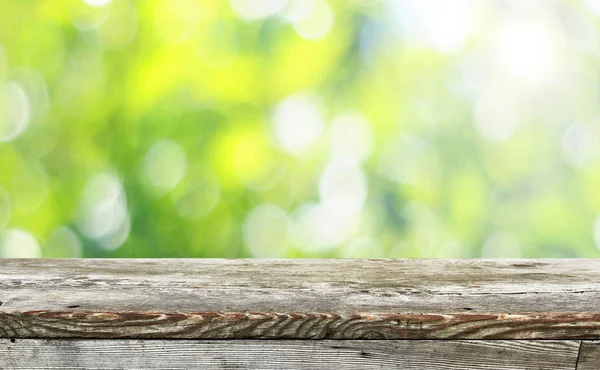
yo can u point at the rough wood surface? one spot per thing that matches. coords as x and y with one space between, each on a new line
290 354
589 356
300 299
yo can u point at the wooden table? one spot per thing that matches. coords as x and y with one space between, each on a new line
316 314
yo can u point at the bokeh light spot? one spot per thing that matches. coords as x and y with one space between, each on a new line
297 122
579 144
19 243
118 237
14 111
86 17
252 10
502 244
495 116
443 25
63 243
266 231
121 26
176 20
103 214
526 51
311 19
318 228
165 165
351 138
97 2
593 6
343 188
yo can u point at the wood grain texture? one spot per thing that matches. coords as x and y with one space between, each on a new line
286 354
300 299
589 356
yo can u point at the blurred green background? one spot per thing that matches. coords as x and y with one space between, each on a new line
300 128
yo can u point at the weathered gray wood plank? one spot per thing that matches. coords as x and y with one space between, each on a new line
589 356
282 354
309 299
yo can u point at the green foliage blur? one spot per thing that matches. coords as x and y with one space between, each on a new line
300 128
